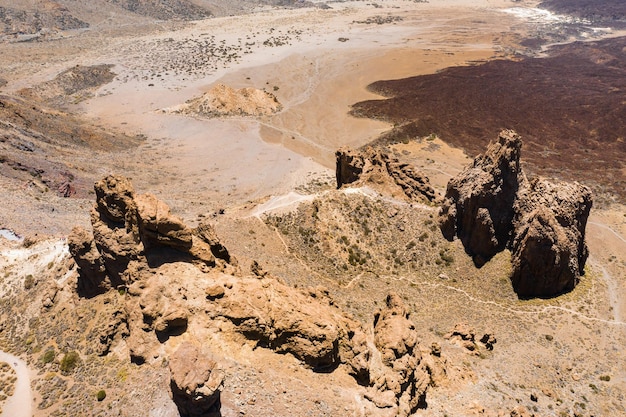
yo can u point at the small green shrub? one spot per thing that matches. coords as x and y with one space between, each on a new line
605 378
29 282
48 356
101 395
69 362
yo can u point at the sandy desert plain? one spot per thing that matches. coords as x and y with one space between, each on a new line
256 179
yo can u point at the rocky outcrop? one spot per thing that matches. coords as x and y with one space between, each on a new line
548 249
93 278
491 206
161 305
402 379
196 381
141 247
130 231
464 336
478 205
223 100
116 227
159 227
308 326
206 232
375 168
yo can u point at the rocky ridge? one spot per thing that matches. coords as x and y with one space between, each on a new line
164 10
383 172
491 205
72 85
135 237
49 16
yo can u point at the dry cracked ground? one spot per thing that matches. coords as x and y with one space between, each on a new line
230 275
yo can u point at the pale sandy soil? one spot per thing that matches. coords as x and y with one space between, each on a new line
316 78
20 403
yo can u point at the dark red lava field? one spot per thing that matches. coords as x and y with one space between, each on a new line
606 10
569 108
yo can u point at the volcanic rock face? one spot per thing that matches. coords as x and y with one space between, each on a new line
129 229
159 227
549 250
138 245
93 273
288 321
313 329
491 206
376 168
196 381
478 206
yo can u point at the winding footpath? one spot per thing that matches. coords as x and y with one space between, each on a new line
20 403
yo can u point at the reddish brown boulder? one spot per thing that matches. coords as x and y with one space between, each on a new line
549 250
196 382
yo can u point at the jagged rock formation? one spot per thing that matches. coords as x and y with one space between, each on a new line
223 100
403 377
196 381
491 206
129 229
376 168
140 247
92 271
308 326
478 206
